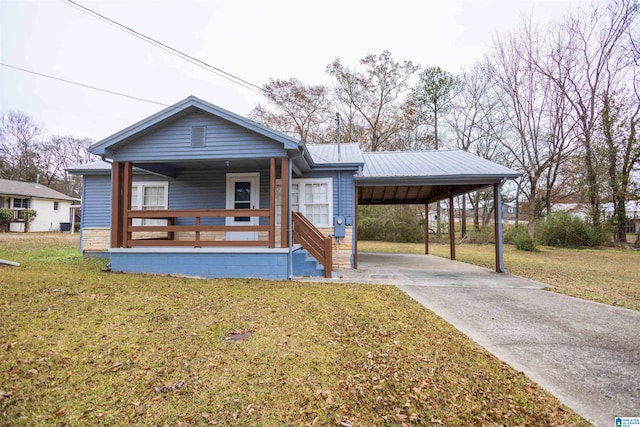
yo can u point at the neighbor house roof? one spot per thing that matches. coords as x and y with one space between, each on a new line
31 189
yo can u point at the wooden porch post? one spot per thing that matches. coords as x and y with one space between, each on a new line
127 178
452 231
272 203
426 229
284 190
117 172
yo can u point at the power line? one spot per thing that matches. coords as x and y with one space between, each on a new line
83 85
233 78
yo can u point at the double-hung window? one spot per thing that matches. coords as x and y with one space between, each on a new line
20 203
149 196
312 197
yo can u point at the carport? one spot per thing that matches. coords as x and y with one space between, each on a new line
425 177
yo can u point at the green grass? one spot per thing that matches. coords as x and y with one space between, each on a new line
604 275
82 347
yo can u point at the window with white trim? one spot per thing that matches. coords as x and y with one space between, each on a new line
56 206
20 203
149 196
312 197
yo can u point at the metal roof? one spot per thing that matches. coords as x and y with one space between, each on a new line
424 176
431 165
31 189
327 154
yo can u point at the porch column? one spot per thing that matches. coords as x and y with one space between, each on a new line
284 192
117 174
497 215
354 230
426 229
272 203
127 178
452 231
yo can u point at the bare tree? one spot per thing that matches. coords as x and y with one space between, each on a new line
584 47
528 99
299 110
473 121
19 147
374 94
60 153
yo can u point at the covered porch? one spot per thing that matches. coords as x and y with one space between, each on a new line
245 229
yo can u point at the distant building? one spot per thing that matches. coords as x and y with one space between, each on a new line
52 207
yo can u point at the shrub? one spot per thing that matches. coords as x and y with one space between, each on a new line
6 215
522 241
562 229
28 215
483 236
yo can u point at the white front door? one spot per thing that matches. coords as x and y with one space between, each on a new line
243 193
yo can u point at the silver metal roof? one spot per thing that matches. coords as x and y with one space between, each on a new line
31 189
431 166
325 154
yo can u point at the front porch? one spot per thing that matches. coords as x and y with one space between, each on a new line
241 240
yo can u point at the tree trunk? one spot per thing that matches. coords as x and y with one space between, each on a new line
463 218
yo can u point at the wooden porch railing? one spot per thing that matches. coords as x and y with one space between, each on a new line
318 245
197 214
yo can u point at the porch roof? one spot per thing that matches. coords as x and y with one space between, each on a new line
425 176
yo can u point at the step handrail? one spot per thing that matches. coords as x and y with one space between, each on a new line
311 239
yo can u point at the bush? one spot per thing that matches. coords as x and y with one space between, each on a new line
483 236
28 215
6 215
521 240
562 229
399 223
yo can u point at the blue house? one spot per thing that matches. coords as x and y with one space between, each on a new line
200 191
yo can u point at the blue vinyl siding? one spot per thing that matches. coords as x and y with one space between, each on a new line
96 204
223 140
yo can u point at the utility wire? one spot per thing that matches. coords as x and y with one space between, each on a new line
176 52
83 85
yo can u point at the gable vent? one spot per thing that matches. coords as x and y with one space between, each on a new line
197 136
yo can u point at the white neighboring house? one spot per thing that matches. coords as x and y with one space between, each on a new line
52 207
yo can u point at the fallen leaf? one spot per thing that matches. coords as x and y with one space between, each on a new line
59 411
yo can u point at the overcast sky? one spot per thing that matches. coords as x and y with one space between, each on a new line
252 39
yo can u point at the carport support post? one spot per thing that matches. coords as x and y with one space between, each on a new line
426 229
452 231
497 214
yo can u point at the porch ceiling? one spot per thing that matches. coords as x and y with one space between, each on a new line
227 165
412 194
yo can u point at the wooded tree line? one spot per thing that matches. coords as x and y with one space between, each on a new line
557 101
26 155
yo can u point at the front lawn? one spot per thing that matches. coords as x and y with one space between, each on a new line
82 347
604 275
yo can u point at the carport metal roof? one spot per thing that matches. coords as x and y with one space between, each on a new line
425 176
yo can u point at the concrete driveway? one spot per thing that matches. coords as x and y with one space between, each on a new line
586 354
